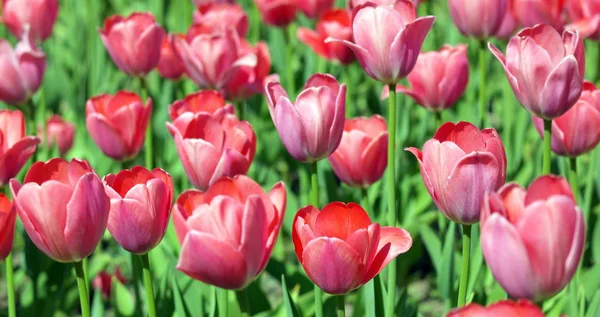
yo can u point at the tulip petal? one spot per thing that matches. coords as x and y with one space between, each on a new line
547 186
254 235
291 130
392 242
340 220
106 137
406 46
562 89
231 163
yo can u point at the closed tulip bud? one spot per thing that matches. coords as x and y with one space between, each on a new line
478 18
118 123
521 308
509 24
361 158
210 147
15 147
170 65
235 224
277 12
217 18
37 16
311 128
140 200
335 23
133 42
585 15
341 249
63 207
58 132
315 8
533 12
386 38
8 218
532 239
103 281
205 101
355 3
22 70
247 81
544 69
439 78
460 156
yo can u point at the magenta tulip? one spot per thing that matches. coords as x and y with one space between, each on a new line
15 147
8 218
37 16
478 18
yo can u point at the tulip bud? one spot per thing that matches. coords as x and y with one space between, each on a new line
36 16
478 18
277 12
58 132
205 101
170 65
247 81
315 8
335 23
8 218
217 18
16 148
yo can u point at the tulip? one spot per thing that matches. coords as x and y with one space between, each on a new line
170 65
478 18
586 18
509 24
247 81
210 147
37 16
277 12
545 71
532 240
118 123
227 233
133 42
22 70
576 132
15 147
139 199
103 281
333 23
521 308
533 12
341 249
217 18
8 218
439 78
63 207
356 3
312 127
386 39
460 156
361 158
204 101
201 2
315 8
59 132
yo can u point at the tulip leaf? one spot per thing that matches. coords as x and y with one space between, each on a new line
97 309
288 302
593 309
445 279
122 299
373 296
433 246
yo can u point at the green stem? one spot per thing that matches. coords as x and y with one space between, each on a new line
83 295
10 285
314 176
84 263
244 302
241 110
365 199
136 283
341 306
148 285
547 146
290 33
589 187
223 301
391 187
482 69
438 120
466 259
148 153
573 177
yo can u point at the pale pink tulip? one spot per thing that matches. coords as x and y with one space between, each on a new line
36 16
217 18
15 147
585 15
478 18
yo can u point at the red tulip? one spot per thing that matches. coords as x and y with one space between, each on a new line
170 65
277 12
439 78
478 18
22 70
505 308
204 101
37 16
8 218
335 23
586 18
227 233
386 39
217 18
63 207
59 132
15 147
460 156
533 12
532 240
315 8
139 199
134 42
341 249
210 147
118 123
361 158
544 69
103 281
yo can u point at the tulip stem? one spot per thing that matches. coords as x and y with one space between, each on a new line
148 153
135 269
466 259
244 302
573 177
482 111
84 263
222 299
83 295
314 177
148 285
341 306
10 285
391 172
547 145
241 110
290 34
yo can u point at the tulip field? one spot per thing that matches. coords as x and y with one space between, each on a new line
300 158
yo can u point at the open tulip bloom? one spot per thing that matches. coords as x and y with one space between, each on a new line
505 308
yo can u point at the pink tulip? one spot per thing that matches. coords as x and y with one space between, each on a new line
356 3
586 18
37 16
277 12
532 239
133 42
227 233
478 18
312 127
58 132
533 12
210 147
118 123
505 308
139 199
458 157
211 59
103 281
361 158
201 2
387 39
21 69
315 8
217 18
439 78
333 23
341 249
8 218
509 24
204 101
170 65
247 81
544 69
576 132
15 147
63 207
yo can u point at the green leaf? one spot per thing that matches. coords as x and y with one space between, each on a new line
97 305
433 246
122 299
373 295
593 309
445 278
288 302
